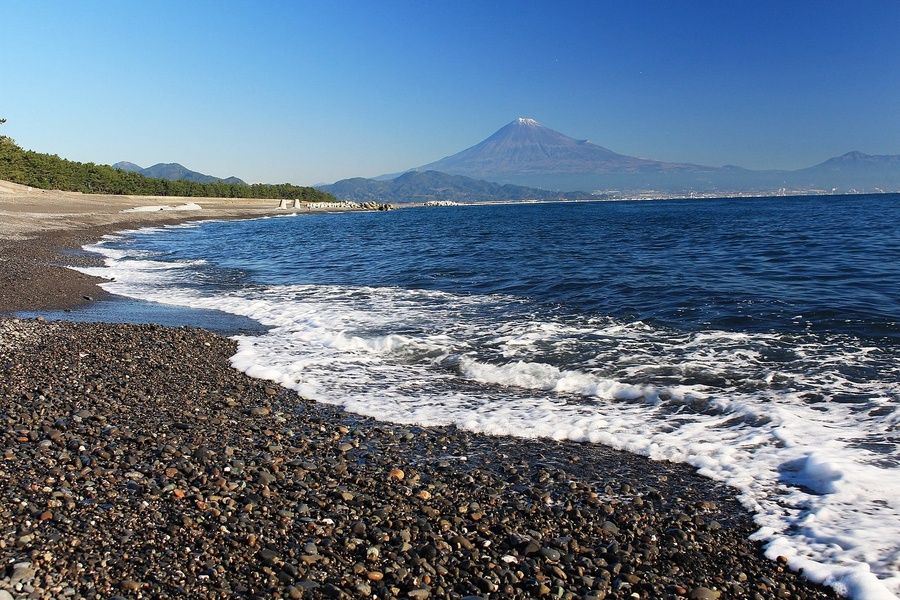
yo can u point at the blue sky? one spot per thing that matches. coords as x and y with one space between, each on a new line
312 92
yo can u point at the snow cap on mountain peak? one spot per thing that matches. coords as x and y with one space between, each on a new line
527 121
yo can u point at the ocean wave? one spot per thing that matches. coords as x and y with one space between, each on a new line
785 419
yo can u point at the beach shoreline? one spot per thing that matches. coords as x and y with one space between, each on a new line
42 232
137 462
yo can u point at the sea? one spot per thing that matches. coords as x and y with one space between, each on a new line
755 339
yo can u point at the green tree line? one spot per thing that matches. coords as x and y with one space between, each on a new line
50 172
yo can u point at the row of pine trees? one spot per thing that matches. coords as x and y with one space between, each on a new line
50 172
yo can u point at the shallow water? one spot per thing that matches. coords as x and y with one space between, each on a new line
126 310
758 340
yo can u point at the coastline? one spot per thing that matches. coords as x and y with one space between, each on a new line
649 198
42 229
138 462
103 455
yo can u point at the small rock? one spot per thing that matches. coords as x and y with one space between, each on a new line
268 556
486 585
550 554
703 593
22 572
295 592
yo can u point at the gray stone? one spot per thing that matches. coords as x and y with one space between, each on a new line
22 572
703 593
550 554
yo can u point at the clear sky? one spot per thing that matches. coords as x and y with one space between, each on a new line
310 92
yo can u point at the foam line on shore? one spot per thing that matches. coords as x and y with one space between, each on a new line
819 496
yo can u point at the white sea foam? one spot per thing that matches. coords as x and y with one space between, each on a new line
801 461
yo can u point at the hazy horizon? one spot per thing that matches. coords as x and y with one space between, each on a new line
316 92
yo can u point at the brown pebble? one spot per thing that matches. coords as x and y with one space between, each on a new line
46 515
375 575
397 474
704 593
178 493
171 472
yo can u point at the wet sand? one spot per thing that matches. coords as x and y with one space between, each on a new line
42 229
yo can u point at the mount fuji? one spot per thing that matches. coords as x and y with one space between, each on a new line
525 152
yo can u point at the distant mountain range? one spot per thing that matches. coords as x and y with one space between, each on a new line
870 172
526 153
424 186
525 160
174 172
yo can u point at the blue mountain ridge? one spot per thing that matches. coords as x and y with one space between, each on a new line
174 172
527 153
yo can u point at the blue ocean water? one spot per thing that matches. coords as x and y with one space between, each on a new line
757 339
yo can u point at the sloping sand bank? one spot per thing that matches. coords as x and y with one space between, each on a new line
39 229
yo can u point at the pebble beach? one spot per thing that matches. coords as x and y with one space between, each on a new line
137 463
